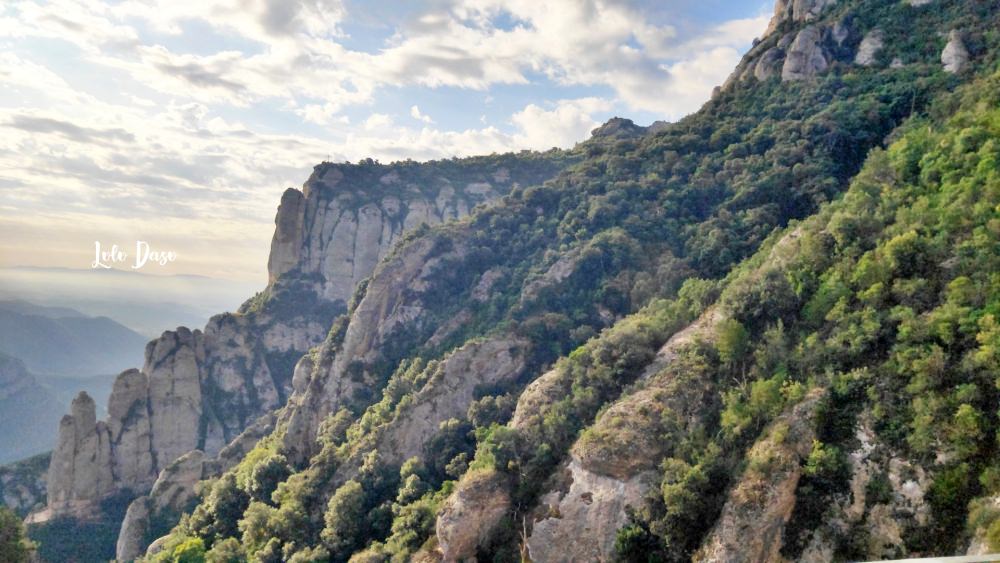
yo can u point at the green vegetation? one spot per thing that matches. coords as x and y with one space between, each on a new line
866 272
68 539
14 545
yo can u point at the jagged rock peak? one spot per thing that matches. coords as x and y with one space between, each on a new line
80 469
796 11
619 127
330 235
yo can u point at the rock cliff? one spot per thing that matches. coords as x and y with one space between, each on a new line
796 52
80 470
346 217
199 390
753 519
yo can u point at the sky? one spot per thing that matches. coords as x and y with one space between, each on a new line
180 122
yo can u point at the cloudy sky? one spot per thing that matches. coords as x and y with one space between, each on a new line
180 122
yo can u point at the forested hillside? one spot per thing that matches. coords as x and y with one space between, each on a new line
766 330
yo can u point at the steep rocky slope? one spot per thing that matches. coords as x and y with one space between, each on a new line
200 390
496 388
636 358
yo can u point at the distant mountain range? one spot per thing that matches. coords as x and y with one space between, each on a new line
146 303
29 412
65 342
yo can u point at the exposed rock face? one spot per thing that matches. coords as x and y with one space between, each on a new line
883 520
614 465
196 390
333 233
174 490
770 64
758 507
176 487
80 470
796 11
806 56
392 303
288 233
200 390
133 530
618 127
869 47
450 392
955 57
469 515
592 498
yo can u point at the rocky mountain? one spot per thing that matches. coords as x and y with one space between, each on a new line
764 332
62 341
201 390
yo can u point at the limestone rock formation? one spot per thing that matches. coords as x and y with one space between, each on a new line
955 57
333 233
177 486
806 56
796 11
757 508
882 521
469 515
80 470
450 392
133 530
869 47
392 302
619 127
769 64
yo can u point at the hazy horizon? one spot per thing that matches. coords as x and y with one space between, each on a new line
204 112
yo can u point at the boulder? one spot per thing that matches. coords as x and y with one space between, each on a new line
955 57
806 56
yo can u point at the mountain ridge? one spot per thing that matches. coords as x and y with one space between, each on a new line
557 300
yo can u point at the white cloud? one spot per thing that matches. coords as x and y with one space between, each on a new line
415 114
378 121
568 122
169 139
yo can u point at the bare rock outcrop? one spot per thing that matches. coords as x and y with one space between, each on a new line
955 56
177 486
392 303
80 470
806 56
770 64
492 362
470 513
196 391
869 47
333 233
900 504
796 11
760 504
